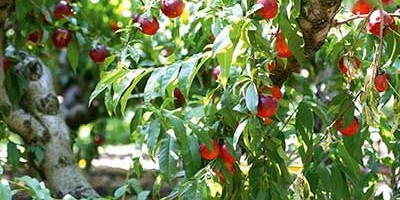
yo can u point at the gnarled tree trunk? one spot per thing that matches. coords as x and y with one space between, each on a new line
38 119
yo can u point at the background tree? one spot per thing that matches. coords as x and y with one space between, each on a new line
244 99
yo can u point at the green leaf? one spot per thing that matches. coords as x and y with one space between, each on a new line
143 195
36 189
252 98
169 76
168 156
192 158
108 79
150 91
238 132
177 125
127 93
153 134
189 71
5 191
349 163
15 85
120 86
73 54
340 187
290 29
137 118
120 191
13 154
305 123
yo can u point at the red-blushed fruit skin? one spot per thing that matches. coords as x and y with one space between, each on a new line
350 129
6 64
269 9
282 47
226 156
61 10
114 26
98 140
361 7
375 20
215 72
179 98
267 106
381 83
276 92
61 38
271 66
172 8
207 154
387 2
34 36
147 27
98 54
343 68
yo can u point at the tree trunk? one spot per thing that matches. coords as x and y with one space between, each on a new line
38 119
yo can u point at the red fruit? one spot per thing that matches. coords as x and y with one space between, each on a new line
267 106
114 26
343 68
381 83
147 27
6 64
172 8
61 38
361 7
62 9
216 71
34 36
98 140
226 156
375 21
207 154
387 2
269 9
276 92
98 54
282 47
350 129
179 98
271 66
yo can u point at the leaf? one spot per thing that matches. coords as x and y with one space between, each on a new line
238 132
137 118
305 123
127 93
15 86
73 54
150 91
189 71
120 86
168 157
290 29
340 186
169 76
349 163
5 191
192 158
13 154
153 134
120 191
36 189
106 81
179 129
252 98
143 195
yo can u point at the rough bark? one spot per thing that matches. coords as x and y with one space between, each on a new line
316 19
38 119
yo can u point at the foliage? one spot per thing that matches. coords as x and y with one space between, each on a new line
297 153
